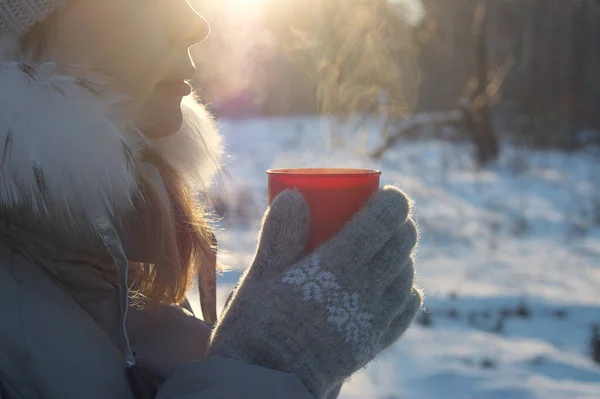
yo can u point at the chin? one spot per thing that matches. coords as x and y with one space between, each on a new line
164 121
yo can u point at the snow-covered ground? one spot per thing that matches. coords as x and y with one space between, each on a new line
509 259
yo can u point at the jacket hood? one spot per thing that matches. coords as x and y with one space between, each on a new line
71 156
70 150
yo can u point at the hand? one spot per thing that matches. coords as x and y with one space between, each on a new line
326 315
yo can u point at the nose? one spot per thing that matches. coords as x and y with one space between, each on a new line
196 26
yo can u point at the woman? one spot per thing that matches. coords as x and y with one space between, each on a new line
100 234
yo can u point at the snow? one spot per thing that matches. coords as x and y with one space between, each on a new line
523 234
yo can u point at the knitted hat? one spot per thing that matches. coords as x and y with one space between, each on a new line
18 16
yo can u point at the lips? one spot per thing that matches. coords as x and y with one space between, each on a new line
178 88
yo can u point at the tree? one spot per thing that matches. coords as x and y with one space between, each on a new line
478 111
474 114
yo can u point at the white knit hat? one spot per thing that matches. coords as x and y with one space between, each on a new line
18 16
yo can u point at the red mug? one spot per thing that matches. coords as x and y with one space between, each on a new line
334 196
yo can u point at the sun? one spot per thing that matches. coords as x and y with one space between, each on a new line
246 4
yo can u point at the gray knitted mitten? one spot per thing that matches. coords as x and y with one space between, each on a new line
326 315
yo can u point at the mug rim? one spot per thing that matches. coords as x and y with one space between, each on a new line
325 172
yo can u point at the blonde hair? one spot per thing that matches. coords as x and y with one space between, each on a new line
184 235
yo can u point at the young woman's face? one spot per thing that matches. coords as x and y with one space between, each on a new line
144 43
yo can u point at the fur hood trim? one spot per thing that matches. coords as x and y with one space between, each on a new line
69 149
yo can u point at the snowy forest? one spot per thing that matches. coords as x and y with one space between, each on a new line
531 64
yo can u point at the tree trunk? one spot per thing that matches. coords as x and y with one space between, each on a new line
484 135
578 75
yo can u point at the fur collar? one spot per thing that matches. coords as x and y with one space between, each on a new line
70 150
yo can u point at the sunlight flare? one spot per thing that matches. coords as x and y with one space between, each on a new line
244 4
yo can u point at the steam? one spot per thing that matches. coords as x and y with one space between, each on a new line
356 54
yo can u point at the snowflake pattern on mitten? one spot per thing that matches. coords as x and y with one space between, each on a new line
345 312
315 282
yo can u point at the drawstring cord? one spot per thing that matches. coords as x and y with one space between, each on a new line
112 242
141 384
207 287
